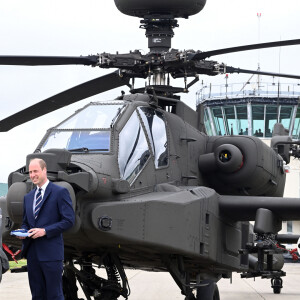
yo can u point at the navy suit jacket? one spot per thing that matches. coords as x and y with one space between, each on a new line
56 215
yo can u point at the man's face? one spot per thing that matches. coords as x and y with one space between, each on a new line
37 175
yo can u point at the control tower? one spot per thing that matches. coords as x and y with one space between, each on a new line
243 109
252 109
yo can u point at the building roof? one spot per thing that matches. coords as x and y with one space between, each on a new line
235 93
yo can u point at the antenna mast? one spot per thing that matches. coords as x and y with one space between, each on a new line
258 66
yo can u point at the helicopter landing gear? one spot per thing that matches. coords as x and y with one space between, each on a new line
276 284
175 266
69 284
112 288
206 289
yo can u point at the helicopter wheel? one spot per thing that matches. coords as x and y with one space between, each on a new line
276 285
209 291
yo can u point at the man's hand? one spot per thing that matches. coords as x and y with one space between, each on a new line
36 232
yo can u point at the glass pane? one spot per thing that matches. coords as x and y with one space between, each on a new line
156 131
285 116
271 119
218 121
133 149
98 141
93 116
207 123
242 120
230 120
297 124
289 225
258 120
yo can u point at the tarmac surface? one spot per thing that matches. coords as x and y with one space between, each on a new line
160 286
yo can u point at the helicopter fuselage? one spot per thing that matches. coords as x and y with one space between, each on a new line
147 185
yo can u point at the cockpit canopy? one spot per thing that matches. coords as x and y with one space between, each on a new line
89 129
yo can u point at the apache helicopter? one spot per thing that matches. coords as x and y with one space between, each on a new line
149 188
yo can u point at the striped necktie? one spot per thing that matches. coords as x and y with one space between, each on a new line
38 203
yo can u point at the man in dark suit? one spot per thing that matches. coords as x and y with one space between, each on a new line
48 212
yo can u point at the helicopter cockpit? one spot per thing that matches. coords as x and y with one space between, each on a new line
88 130
91 130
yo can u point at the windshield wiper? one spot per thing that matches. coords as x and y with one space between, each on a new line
82 149
117 114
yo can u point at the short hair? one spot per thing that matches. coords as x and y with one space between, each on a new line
41 162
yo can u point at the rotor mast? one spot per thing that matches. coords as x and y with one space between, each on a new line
159 31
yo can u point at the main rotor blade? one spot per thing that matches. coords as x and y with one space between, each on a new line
77 93
47 60
206 54
238 70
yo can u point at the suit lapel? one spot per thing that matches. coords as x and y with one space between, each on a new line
29 205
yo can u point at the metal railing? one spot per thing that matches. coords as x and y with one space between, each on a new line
248 89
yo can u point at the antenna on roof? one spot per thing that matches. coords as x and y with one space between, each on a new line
258 66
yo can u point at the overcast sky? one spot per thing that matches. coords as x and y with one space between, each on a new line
73 28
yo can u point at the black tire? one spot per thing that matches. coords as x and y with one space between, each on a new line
276 285
209 291
276 290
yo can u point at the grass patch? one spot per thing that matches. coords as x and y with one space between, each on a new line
21 263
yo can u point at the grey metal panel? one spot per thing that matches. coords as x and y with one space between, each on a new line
187 114
177 219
